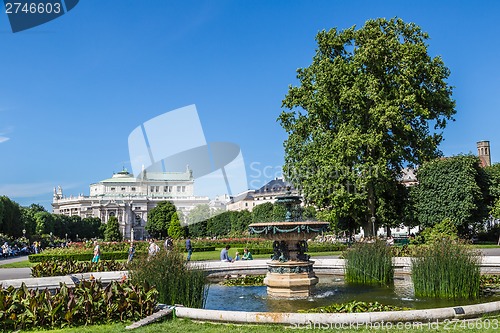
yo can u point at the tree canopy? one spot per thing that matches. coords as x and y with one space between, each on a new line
159 219
372 102
112 232
453 188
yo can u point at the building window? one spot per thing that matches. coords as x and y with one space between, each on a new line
112 189
133 188
184 189
123 188
178 188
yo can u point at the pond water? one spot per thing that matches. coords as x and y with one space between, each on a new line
330 289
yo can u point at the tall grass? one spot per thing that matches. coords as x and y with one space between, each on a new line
446 269
175 280
369 263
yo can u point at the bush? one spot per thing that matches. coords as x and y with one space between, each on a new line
354 307
176 282
65 267
446 269
369 263
85 304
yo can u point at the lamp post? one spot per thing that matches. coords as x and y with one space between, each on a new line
132 235
77 237
373 225
66 237
24 233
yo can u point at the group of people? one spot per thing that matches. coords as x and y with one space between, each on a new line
10 251
224 255
153 248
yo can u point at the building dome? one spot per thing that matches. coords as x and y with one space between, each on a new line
122 174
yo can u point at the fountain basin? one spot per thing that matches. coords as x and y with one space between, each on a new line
290 272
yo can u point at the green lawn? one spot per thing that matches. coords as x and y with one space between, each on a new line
18 264
184 325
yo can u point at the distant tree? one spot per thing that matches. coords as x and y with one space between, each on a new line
372 101
28 218
175 230
62 224
91 227
44 223
240 220
198 229
219 225
452 188
263 212
11 222
493 173
159 219
198 214
112 232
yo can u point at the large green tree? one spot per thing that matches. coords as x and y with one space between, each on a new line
10 217
175 229
372 101
453 188
112 232
44 223
159 219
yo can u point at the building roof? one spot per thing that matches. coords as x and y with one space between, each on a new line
125 177
275 185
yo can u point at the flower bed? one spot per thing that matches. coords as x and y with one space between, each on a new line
65 267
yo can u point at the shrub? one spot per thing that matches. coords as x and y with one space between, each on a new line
354 306
175 280
446 269
85 304
369 263
65 267
249 280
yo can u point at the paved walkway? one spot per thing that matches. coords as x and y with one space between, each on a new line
24 273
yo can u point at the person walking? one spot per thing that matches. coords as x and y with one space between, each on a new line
153 249
97 252
131 252
189 248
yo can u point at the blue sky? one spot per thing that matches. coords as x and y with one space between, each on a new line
73 89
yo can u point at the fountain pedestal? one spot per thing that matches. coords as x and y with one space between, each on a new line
290 279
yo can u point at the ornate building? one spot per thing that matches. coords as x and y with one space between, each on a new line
267 193
129 199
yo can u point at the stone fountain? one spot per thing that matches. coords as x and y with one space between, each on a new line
290 273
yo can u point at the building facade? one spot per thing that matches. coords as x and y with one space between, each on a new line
267 193
129 199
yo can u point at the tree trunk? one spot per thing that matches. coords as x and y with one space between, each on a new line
372 227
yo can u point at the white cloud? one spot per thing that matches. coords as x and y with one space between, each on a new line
3 139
